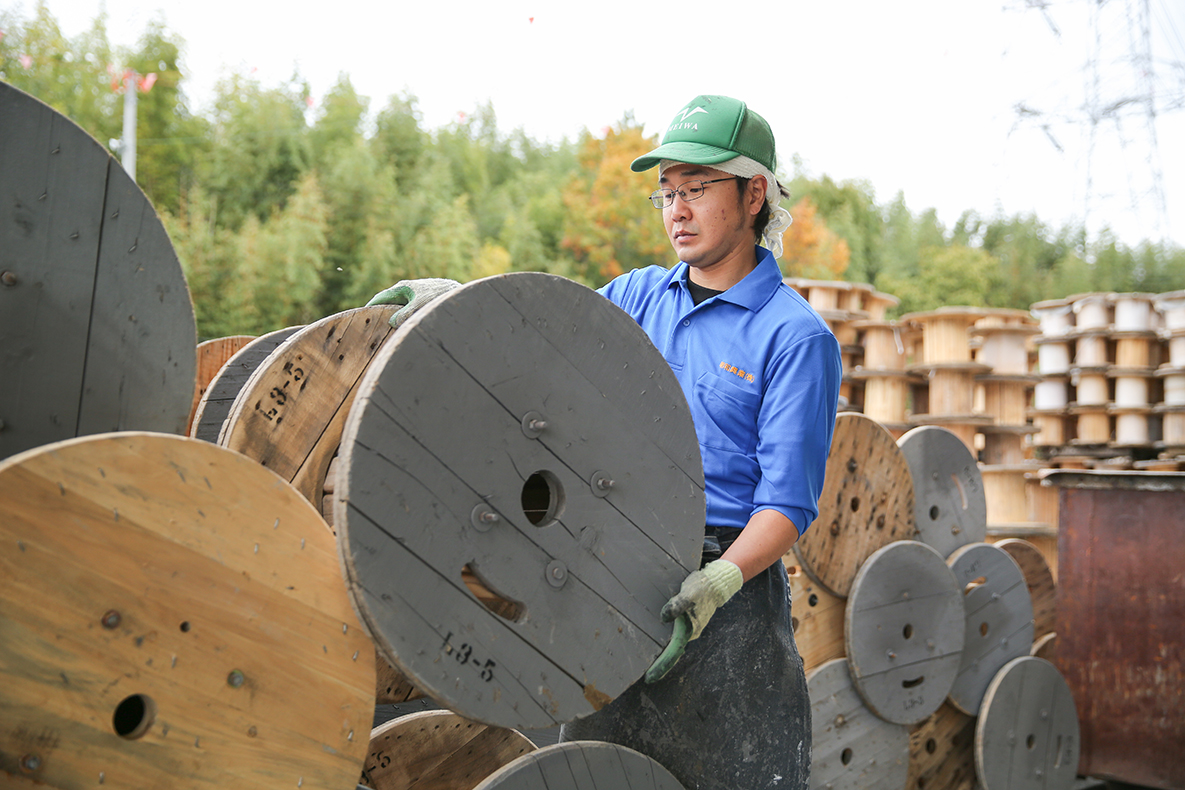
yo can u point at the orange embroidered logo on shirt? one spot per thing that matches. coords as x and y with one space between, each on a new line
736 371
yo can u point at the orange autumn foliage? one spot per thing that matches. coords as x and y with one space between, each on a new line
811 249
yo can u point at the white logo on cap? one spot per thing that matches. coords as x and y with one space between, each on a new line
691 111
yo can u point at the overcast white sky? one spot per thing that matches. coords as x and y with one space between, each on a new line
920 97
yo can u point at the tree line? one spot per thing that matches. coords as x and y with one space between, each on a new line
281 213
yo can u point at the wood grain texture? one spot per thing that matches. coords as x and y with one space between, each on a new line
817 617
942 751
582 765
95 315
1039 580
999 619
904 631
441 432
212 355
949 503
851 747
170 570
438 750
866 504
1027 735
290 412
219 396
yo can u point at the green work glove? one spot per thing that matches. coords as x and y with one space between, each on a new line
413 295
703 592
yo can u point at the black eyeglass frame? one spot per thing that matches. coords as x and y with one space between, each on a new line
667 195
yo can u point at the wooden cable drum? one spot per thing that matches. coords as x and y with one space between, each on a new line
1038 578
212 356
867 503
219 395
816 617
904 631
1045 647
290 412
582 765
950 508
95 315
851 747
999 619
438 750
942 752
524 430
1027 735
173 615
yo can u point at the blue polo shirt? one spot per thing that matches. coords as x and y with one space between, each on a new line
761 372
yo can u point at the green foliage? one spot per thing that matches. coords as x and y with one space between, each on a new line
281 214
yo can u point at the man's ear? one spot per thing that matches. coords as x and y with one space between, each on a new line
755 194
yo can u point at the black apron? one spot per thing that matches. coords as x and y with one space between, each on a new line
733 713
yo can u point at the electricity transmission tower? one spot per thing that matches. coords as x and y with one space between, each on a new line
1127 87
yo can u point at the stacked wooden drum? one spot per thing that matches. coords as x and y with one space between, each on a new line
918 636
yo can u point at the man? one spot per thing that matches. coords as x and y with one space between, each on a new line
761 372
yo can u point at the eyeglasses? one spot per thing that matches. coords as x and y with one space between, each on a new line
688 190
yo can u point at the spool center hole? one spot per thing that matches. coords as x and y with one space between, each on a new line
907 632
133 716
845 757
542 498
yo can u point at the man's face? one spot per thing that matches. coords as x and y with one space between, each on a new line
707 230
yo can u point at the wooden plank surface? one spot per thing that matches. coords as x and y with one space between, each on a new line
212 355
999 619
904 631
1027 736
949 503
942 751
851 747
1039 580
441 432
582 765
290 412
95 317
867 503
816 615
165 572
219 396
438 750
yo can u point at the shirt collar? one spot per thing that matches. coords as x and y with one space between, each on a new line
757 287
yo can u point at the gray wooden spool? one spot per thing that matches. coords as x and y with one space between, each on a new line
582 765
851 746
1027 735
524 429
999 619
216 402
904 631
949 501
95 317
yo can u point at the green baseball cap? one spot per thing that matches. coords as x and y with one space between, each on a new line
710 130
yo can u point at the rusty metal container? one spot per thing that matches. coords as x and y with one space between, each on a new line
1121 620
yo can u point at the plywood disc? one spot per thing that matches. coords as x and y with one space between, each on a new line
582 765
290 412
212 356
438 750
816 616
96 324
867 503
228 381
1039 579
949 503
172 615
522 429
999 619
904 631
1027 735
851 747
